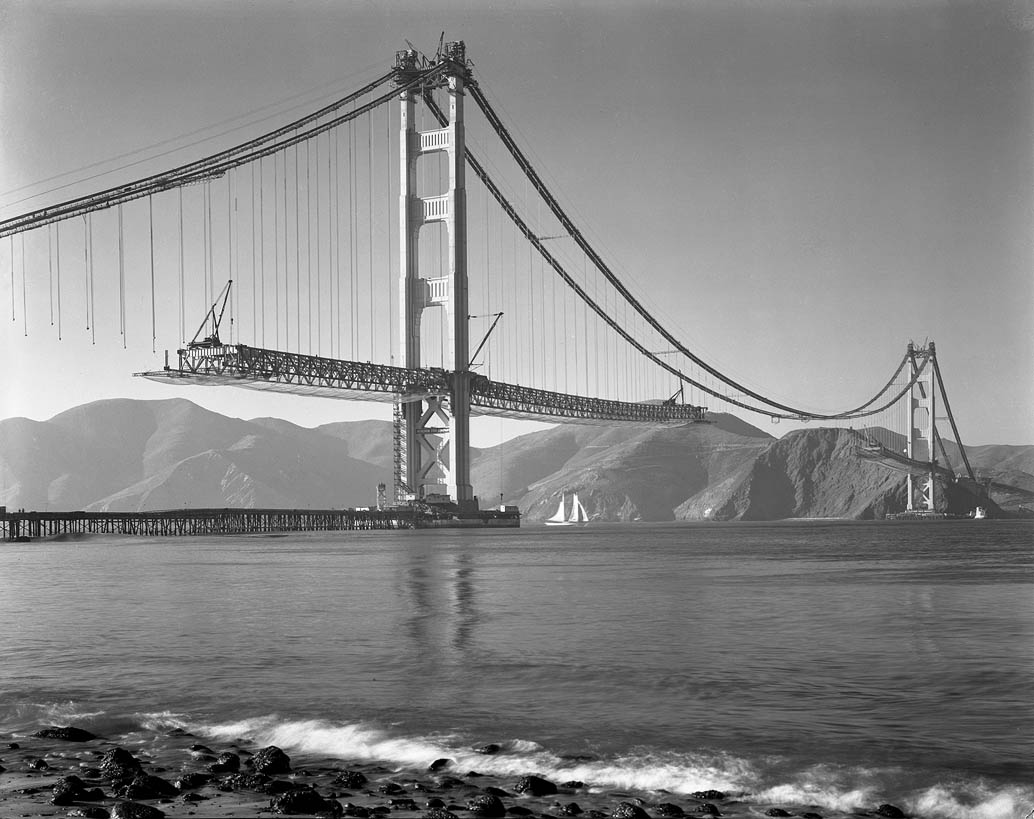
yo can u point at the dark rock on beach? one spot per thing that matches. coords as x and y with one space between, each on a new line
570 809
66 734
708 795
228 762
668 809
777 812
243 782
147 786
486 804
355 810
119 766
192 781
305 801
709 809
535 786
92 812
626 810
67 790
134 810
489 749
439 764
439 813
349 779
271 760
519 810
37 764
391 789
890 812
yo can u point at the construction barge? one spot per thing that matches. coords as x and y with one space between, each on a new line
22 526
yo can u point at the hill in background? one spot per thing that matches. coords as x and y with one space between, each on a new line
129 455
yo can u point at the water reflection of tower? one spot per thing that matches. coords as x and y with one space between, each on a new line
463 603
437 593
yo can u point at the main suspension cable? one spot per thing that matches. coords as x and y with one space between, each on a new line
531 236
536 180
216 164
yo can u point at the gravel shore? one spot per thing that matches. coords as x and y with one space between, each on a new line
65 772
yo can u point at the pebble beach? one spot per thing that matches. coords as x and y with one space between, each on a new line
68 771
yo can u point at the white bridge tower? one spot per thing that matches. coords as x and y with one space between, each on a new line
433 453
921 430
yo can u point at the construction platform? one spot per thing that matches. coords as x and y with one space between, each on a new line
21 526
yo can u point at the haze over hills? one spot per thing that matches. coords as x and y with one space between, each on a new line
124 454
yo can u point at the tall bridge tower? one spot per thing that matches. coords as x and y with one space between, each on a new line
921 431
432 425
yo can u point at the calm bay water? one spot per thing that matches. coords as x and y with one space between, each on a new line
830 664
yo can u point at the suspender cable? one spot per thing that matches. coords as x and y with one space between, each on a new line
121 280
276 249
93 303
50 268
182 295
150 233
353 339
86 273
229 236
57 252
308 243
297 253
12 281
390 278
333 164
369 225
25 296
254 291
319 265
287 280
262 243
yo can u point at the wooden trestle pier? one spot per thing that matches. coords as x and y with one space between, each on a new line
20 525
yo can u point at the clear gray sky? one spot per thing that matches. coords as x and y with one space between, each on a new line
804 185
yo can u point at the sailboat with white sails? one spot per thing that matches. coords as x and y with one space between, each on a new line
578 516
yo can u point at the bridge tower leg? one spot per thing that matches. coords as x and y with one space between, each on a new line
920 443
434 424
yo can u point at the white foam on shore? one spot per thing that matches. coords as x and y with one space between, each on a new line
678 773
835 788
973 802
826 795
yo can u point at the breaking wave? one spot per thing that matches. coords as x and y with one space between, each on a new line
832 788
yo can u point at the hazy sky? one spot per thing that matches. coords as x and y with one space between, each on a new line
803 185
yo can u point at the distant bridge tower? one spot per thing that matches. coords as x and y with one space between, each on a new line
421 467
920 443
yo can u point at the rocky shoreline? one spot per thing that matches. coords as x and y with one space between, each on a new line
67 771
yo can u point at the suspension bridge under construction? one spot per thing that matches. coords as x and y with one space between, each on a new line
376 250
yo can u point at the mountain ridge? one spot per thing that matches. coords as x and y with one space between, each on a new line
127 455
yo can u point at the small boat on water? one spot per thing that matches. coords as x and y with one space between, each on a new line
979 513
578 516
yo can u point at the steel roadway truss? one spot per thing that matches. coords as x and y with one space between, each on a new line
273 370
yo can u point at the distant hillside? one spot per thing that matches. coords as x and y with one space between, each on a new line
619 472
138 455
135 455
